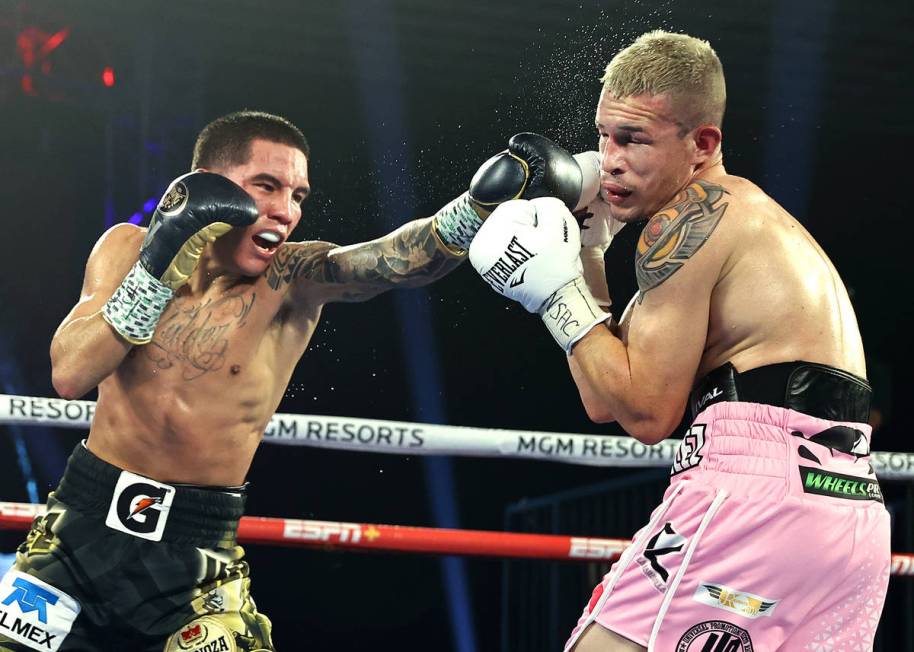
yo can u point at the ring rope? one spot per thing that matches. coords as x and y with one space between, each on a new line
333 535
406 438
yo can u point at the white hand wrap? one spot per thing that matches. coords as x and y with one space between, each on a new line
136 306
600 227
529 251
571 312
456 224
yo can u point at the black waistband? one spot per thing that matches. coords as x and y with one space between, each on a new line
205 517
815 389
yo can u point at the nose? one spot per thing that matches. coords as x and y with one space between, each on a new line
282 208
611 161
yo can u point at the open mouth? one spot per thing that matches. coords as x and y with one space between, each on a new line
267 240
615 194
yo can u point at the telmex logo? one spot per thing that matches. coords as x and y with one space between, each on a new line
35 613
31 598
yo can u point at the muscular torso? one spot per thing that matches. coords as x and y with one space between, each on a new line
192 405
777 297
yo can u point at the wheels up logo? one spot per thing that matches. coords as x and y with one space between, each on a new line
715 636
826 483
35 613
140 506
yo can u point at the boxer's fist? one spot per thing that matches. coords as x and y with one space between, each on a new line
598 226
196 209
532 166
529 251
526 250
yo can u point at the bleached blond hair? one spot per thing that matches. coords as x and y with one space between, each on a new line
683 67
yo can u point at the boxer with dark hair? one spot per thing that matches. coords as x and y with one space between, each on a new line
772 534
191 330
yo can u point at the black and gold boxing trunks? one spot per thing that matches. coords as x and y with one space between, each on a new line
123 562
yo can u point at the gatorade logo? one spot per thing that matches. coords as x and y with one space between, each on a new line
140 506
826 483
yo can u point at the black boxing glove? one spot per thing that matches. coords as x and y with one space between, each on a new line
196 209
532 166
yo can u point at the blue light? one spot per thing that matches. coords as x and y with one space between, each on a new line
136 218
6 562
150 205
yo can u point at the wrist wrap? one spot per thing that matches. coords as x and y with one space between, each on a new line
135 307
457 223
570 312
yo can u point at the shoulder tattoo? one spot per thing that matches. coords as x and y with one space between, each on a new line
674 234
290 263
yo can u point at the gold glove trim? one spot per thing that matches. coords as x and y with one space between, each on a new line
526 167
185 261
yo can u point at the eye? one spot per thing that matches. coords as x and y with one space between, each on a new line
265 186
623 138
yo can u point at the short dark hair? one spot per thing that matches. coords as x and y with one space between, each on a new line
226 142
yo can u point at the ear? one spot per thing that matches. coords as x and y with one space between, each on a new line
706 139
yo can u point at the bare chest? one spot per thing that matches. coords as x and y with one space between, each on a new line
219 334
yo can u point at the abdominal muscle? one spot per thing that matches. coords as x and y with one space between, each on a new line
161 417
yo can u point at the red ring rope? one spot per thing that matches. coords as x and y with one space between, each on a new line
402 538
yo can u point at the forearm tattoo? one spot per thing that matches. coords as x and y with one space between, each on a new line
674 234
408 257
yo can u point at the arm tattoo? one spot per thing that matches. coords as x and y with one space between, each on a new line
674 234
291 263
408 257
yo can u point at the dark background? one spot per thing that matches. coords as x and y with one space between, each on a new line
401 101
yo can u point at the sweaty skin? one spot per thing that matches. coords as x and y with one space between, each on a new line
192 405
724 274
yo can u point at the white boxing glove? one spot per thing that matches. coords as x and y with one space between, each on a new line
598 226
529 251
589 162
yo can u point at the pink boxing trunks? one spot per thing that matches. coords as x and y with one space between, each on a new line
767 539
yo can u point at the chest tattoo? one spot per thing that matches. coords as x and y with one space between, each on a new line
196 335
